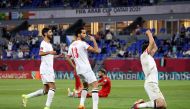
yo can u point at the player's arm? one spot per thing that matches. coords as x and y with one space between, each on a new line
152 48
68 58
59 56
155 48
102 83
42 53
95 48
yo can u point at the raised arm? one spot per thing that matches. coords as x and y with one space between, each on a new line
95 48
152 47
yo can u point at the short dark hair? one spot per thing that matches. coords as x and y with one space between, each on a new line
139 21
78 31
144 46
103 70
45 30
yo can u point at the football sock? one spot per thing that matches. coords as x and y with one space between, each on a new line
146 105
95 98
50 96
83 96
35 94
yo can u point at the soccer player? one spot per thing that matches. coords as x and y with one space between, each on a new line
157 100
46 70
104 82
78 50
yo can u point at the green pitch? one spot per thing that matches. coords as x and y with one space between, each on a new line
123 94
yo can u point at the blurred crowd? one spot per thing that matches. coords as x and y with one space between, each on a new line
25 45
72 3
77 3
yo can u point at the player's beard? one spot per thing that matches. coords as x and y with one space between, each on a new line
82 38
50 38
100 76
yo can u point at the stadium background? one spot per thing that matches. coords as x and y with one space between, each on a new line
106 20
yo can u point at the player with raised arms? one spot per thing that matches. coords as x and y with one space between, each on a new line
149 67
78 50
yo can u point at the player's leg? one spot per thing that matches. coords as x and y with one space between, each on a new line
34 94
70 94
156 98
95 96
46 88
83 95
74 93
50 94
161 103
157 104
150 104
31 95
93 82
50 89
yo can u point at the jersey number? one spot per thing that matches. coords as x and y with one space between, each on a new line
75 52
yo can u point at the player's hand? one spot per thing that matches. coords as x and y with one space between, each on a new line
62 55
148 31
92 38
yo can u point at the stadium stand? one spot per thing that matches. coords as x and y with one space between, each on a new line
70 3
28 43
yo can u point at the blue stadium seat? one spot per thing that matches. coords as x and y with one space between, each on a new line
162 30
153 30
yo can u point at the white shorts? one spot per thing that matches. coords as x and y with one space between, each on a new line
47 78
153 91
88 77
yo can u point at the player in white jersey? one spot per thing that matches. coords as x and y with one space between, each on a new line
46 70
157 100
78 50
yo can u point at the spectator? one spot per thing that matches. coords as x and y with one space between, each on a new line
46 3
26 54
10 45
173 40
34 40
1 55
64 48
183 31
121 53
174 49
14 54
109 36
187 53
9 54
20 54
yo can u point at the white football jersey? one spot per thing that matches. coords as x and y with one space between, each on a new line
78 51
149 67
46 65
